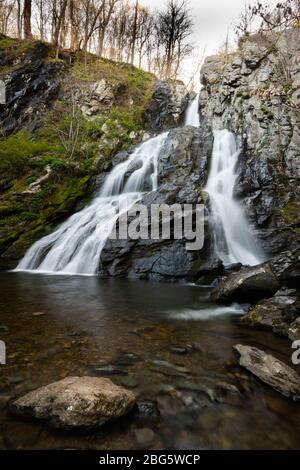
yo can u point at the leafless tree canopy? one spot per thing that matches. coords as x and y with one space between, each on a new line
121 30
262 17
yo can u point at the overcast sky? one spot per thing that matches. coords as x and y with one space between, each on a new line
212 19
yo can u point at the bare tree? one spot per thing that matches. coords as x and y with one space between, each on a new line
27 19
174 26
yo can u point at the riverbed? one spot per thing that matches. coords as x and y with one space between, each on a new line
167 342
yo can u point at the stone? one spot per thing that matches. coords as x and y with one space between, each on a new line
38 314
167 106
247 285
129 382
182 349
294 330
270 370
144 437
110 369
147 409
76 402
276 313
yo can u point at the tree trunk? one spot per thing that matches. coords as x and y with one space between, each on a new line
27 19
134 33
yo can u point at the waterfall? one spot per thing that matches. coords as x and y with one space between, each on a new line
233 239
75 247
192 113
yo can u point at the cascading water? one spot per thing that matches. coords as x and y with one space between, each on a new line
233 239
75 247
192 113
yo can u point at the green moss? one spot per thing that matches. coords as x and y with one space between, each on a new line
290 213
196 266
266 111
6 42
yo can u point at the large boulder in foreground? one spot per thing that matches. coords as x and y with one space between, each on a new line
270 370
247 285
76 402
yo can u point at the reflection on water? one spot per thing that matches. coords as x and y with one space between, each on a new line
56 326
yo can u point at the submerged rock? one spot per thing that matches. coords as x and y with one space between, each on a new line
270 370
248 285
144 437
76 402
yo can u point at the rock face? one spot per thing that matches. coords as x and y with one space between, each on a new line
270 370
167 106
76 402
31 88
253 92
247 285
181 174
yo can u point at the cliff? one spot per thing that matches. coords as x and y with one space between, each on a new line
64 119
255 92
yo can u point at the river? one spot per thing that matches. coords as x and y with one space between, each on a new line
167 341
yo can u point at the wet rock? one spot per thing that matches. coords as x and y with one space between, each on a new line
286 267
270 370
294 330
110 369
129 382
144 437
276 313
15 379
248 285
167 106
245 94
209 271
76 402
182 170
182 349
38 314
127 359
147 409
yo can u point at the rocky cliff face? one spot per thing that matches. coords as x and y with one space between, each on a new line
181 175
255 92
64 120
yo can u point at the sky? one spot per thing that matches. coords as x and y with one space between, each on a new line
212 19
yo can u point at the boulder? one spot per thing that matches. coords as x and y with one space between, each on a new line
247 285
270 370
277 313
286 266
76 402
167 106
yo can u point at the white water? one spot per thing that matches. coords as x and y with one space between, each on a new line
192 113
233 239
75 247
